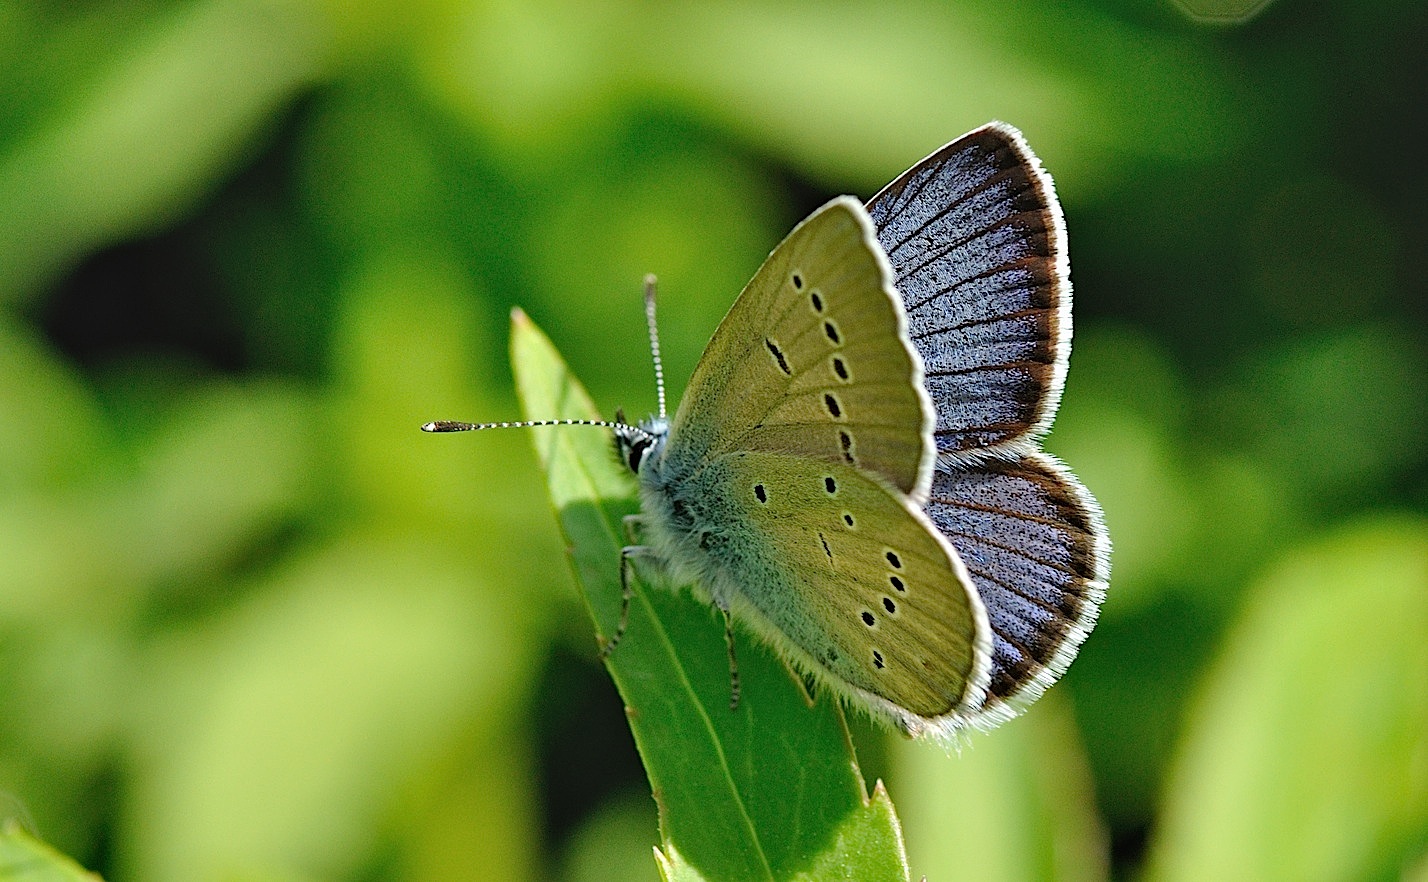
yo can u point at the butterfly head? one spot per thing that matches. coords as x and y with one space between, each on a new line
635 443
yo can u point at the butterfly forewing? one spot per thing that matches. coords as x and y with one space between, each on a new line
1032 539
976 242
813 358
850 572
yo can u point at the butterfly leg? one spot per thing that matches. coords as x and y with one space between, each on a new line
632 524
733 662
626 591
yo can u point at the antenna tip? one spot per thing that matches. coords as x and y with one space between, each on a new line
446 426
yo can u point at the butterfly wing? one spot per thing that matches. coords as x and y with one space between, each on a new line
975 237
848 579
813 360
1033 541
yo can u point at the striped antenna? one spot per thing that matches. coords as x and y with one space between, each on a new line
623 428
650 282
454 426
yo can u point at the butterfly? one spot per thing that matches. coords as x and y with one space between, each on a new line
853 472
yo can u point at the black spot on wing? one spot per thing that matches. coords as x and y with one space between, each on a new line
778 356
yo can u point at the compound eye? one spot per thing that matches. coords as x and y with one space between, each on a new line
637 454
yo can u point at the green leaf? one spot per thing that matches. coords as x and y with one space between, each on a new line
1307 755
23 859
771 791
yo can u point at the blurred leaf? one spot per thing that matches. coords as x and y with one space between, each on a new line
174 105
337 690
1342 414
614 843
1026 788
50 426
538 75
1307 752
772 73
1320 253
539 78
771 791
224 465
22 859
369 174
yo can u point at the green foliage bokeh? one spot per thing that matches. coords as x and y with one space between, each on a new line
255 626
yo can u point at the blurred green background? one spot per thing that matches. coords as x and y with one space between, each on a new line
255 626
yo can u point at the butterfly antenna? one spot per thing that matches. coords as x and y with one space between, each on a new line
454 426
650 283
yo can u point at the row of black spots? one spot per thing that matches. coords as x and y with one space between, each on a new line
815 299
840 369
760 493
845 441
878 660
826 550
830 486
896 563
889 605
896 582
833 405
777 353
894 579
830 330
867 616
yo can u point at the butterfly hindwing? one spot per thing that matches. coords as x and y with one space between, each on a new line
1033 542
975 238
813 358
850 574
